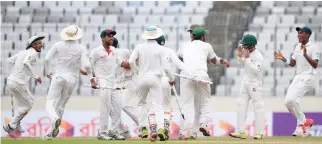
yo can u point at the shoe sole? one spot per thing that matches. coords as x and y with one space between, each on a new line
154 137
236 136
56 129
204 132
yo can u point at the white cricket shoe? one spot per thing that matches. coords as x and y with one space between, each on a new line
115 135
47 137
126 134
204 129
103 136
299 131
11 131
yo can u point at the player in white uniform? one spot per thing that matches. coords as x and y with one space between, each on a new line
251 87
152 62
194 132
166 88
21 72
195 55
70 56
305 58
103 61
124 98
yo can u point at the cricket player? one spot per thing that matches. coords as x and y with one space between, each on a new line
195 55
103 61
125 98
152 62
21 72
166 89
305 58
251 87
194 133
70 56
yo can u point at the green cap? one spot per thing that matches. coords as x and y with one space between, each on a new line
199 32
161 40
193 26
107 32
304 29
249 39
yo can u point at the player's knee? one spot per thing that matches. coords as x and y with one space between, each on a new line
240 103
289 102
259 106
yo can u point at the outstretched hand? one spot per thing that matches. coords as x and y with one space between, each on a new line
278 55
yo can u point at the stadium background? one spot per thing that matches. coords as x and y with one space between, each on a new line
272 22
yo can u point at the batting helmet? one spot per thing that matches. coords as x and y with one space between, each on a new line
249 39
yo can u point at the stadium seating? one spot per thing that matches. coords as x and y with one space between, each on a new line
274 25
21 19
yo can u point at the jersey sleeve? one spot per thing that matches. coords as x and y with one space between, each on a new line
315 53
30 61
85 62
256 66
49 56
211 53
134 56
177 62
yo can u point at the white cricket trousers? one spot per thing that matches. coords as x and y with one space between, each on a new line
110 105
151 84
129 102
301 84
166 90
59 93
251 91
23 100
195 98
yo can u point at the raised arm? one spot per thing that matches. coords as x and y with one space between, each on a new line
291 62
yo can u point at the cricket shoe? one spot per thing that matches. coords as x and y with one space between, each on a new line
115 135
56 125
299 130
103 136
19 131
258 136
47 137
204 129
11 131
162 135
307 127
144 133
126 134
183 137
237 134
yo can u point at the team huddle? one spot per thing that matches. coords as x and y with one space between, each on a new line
140 83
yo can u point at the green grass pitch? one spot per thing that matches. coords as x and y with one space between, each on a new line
173 140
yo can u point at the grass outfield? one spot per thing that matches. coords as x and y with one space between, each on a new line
173 140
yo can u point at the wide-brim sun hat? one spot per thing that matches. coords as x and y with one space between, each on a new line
34 39
152 32
71 32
